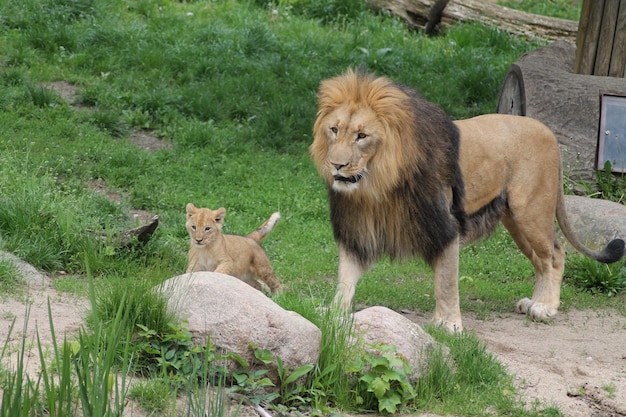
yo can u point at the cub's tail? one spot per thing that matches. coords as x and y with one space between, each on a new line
613 252
264 229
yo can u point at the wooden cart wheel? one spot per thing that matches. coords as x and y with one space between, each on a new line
512 98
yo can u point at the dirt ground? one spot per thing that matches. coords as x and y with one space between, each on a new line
577 362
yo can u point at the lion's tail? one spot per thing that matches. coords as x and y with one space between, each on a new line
263 230
613 252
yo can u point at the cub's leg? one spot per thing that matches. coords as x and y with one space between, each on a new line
251 282
536 239
350 272
263 271
447 307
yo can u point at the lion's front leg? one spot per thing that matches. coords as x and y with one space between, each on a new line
447 307
350 272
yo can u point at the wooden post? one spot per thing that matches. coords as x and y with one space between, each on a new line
618 58
601 38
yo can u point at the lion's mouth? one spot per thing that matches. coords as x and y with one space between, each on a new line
352 180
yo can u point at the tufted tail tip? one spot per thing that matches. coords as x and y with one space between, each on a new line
613 252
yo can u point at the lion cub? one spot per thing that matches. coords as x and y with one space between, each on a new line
238 256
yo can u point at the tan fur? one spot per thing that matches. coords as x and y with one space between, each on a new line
238 256
510 167
521 156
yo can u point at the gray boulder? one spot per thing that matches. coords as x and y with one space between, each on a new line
380 325
233 315
596 222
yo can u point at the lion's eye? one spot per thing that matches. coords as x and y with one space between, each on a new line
207 228
193 227
360 136
334 129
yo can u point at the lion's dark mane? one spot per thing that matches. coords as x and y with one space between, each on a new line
416 217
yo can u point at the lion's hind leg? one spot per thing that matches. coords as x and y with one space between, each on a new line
538 243
262 270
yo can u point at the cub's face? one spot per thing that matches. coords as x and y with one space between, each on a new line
204 225
345 142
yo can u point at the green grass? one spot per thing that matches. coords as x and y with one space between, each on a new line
564 9
10 278
231 88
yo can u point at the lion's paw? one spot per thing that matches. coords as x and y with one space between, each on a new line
535 311
523 305
451 326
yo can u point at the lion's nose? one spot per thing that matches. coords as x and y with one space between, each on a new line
338 166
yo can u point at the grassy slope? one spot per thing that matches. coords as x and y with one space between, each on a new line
232 88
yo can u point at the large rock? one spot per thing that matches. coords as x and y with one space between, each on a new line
380 325
31 276
233 315
596 222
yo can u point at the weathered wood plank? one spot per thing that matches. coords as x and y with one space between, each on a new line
583 27
589 47
618 56
605 41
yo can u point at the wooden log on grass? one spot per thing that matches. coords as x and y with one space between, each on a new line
416 12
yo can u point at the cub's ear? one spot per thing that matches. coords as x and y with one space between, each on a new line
191 209
219 216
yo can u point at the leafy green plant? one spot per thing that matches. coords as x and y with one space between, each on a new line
291 390
612 186
252 381
171 354
383 379
595 277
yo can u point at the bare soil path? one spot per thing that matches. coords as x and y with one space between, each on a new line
577 362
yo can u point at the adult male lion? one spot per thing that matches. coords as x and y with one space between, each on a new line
402 183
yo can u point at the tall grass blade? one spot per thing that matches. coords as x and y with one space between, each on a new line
21 395
58 393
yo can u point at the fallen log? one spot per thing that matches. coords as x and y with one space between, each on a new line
415 13
128 238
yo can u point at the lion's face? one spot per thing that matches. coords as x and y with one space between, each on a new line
204 225
363 135
352 138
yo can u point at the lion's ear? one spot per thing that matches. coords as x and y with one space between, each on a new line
219 217
191 209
